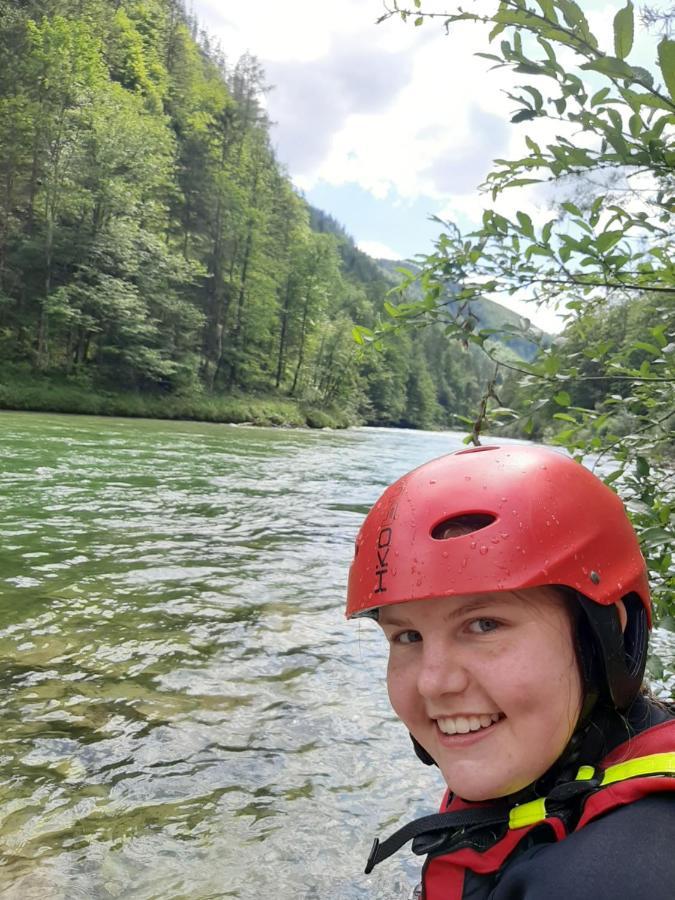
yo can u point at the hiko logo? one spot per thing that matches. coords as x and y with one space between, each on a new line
384 537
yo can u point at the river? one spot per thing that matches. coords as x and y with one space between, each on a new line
186 714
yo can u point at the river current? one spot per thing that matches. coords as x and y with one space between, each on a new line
186 713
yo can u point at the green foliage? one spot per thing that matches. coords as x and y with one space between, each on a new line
50 392
604 259
154 254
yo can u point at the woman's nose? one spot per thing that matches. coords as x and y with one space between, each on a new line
440 673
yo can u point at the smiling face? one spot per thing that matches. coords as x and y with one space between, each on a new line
488 684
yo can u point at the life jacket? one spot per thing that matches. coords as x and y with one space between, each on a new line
481 838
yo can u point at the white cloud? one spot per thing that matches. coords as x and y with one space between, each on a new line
378 250
392 108
401 112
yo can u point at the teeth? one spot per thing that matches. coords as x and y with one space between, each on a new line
465 724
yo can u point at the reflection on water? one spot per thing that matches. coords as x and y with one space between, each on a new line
186 714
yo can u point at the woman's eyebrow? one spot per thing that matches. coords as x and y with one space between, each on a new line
454 613
476 605
399 623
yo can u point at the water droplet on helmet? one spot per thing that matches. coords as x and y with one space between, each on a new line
483 550
503 535
473 545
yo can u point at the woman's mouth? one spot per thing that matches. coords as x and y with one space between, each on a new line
466 724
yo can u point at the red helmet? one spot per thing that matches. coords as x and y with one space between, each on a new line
536 518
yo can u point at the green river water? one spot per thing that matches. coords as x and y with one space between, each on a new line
186 714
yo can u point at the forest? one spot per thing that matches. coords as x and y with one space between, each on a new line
155 258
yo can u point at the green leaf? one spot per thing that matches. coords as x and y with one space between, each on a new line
642 466
536 96
666 50
564 417
525 223
570 207
608 239
649 348
361 334
548 10
491 57
655 667
534 147
656 537
599 96
624 31
562 398
635 125
643 75
610 65
524 115
520 182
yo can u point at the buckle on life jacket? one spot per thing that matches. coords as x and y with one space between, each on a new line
556 801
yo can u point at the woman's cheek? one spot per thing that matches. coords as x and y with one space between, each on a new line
400 687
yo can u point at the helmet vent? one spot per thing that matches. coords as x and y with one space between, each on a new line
461 525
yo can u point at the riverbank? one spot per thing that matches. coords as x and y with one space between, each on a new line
43 395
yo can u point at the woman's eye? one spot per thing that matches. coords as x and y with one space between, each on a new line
408 637
483 626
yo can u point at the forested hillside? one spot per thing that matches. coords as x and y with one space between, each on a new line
154 257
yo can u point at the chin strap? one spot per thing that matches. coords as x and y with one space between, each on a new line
421 753
435 829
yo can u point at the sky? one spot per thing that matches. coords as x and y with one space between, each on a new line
383 126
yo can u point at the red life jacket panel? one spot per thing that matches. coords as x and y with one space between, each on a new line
643 765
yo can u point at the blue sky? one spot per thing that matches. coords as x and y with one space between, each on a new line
383 125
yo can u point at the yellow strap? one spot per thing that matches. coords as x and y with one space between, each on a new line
656 764
528 813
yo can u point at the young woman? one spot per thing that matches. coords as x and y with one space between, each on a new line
510 586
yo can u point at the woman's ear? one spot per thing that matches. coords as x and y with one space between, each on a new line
623 615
